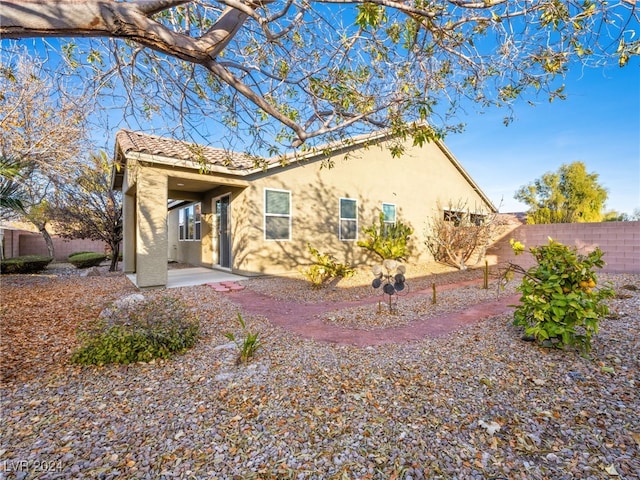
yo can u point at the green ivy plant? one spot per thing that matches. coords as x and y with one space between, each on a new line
248 344
561 302
387 241
324 268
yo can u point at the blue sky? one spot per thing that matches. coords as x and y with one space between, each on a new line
598 124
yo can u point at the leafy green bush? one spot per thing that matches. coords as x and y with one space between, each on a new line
138 332
561 304
86 259
78 253
388 241
324 268
25 264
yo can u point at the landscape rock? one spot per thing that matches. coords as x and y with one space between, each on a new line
91 272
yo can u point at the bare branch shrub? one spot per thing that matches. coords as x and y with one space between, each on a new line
457 234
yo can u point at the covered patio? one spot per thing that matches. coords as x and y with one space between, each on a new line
153 173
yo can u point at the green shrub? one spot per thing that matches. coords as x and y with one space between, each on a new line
86 259
78 253
561 303
25 264
388 241
248 345
324 268
138 332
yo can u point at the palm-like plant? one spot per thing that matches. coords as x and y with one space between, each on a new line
10 188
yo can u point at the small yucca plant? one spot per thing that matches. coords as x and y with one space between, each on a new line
248 345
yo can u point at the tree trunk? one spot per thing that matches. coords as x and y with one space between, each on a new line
48 240
115 253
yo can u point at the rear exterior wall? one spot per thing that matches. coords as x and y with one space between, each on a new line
418 184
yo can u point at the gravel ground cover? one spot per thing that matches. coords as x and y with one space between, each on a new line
477 403
419 277
396 310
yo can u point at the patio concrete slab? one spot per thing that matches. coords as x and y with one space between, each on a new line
188 277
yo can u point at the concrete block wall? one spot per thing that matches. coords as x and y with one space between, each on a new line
10 243
620 242
29 243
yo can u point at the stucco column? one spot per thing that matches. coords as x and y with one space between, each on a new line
151 240
129 233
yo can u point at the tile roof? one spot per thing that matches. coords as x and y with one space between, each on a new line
129 141
155 145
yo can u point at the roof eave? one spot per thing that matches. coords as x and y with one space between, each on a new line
181 163
117 170
466 175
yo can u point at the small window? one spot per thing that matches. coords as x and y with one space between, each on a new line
181 223
189 222
197 221
389 212
277 214
476 219
348 219
452 216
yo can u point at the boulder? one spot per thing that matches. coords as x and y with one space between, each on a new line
91 272
124 302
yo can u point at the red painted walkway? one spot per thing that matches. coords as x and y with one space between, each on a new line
303 320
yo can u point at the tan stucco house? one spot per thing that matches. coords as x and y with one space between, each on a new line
219 209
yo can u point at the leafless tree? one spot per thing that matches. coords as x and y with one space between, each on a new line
42 131
87 207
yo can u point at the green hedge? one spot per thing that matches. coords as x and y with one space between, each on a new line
86 259
78 253
25 264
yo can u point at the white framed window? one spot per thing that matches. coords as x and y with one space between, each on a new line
190 222
389 213
454 217
348 219
458 218
476 219
197 221
277 214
